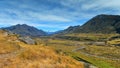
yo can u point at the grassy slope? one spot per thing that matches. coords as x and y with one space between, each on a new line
15 54
66 47
91 36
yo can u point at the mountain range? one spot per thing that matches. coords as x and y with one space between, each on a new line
99 24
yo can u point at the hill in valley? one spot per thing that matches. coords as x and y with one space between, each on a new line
98 24
25 30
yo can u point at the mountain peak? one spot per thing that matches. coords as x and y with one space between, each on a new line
21 25
106 16
25 30
102 23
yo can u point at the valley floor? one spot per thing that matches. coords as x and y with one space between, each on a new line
100 56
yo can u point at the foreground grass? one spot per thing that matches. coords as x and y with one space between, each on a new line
15 54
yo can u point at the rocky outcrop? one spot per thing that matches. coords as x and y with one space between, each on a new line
27 40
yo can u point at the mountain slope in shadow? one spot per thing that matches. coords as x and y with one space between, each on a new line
98 24
25 30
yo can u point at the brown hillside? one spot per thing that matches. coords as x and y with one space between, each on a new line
15 54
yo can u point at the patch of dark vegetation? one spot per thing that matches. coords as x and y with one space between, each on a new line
114 37
86 63
80 38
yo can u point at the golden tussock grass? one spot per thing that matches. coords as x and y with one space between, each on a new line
19 55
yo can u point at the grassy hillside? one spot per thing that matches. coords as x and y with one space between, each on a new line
16 54
102 56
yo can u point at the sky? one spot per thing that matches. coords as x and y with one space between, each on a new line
54 15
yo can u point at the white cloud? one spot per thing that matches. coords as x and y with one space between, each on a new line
70 11
48 17
10 22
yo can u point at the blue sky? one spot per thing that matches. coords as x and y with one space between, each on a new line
54 15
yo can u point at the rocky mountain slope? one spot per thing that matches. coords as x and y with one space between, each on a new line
98 24
25 30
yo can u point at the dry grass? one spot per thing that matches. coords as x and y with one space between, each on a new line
109 52
98 35
104 51
16 54
6 46
113 42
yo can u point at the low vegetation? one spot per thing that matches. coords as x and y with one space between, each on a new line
85 36
52 52
16 54
102 56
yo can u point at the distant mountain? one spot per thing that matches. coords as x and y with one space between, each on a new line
25 30
50 33
98 24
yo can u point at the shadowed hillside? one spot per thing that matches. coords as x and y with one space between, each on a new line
25 30
98 24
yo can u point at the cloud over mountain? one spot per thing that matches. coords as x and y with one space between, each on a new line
60 13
